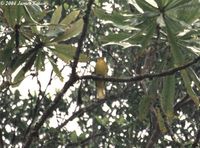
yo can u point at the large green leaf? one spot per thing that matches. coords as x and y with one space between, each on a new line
174 25
74 30
168 94
56 15
63 51
70 18
34 13
175 50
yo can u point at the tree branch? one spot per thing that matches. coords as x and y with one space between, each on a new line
142 76
154 137
82 37
73 78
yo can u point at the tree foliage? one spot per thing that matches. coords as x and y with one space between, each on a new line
153 53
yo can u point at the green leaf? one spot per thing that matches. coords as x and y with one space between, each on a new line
161 122
56 15
73 31
19 77
55 69
175 26
115 37
34 12
163 3
144 107
168 94
73 136
10 14
70 18
120 120
176 52
63 51
55 31
193 12
188 86
103 120
146 6
176 3
117 19
39 61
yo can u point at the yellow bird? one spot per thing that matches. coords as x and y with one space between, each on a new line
101 69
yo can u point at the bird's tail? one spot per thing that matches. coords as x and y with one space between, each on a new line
100 92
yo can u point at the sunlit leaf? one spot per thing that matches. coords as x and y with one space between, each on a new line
115 37
123 44
70 18
74 30
64 52
34 12
56 15
57 30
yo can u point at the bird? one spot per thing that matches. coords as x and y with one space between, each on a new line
101 69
